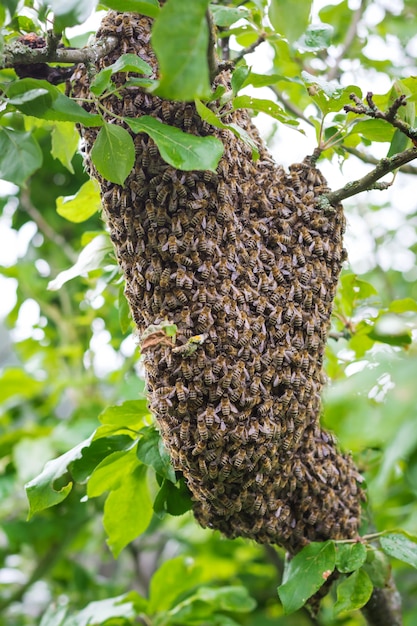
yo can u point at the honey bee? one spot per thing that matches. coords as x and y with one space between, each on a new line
180 189
181 391
205 317
305 236
181 296
162 195
127 27
212 470
166 110
211 455
165 278
240 434
224 473
184 430
209 416
308 300
188 116
199 447
202 465
202 428
318 247
163 405
239 458
145 156
208 376
150 212
138 101
277 274
129 109
234 394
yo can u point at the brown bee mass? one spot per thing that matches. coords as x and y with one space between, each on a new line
246 259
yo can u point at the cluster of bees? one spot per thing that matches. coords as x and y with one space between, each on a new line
245 258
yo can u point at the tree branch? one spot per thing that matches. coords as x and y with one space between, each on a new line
17 53
384 606
250 48
369 181
390 115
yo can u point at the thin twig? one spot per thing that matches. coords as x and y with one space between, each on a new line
249 49
213 61
289 106
368 158
45 228
351 34
390 115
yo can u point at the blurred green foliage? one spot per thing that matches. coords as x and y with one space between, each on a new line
71 384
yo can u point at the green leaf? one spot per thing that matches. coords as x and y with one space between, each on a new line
330 97
353 592
54 616
113 153
132 415
233 598
288 18
125 316
42 491
64 109
206 600
125 63
403 306
209 116
111 471
127 510
16 383
226 16
172 499
399 143
392 330
82 205
20 155
262 106
181 150
32 101
100 611
264 80
90 258
316 37
180 39
171 580
151 451
70 12
306 573
144 7
65 140
400 547
239 77
373 130
350 556
377 567
93 454
40 99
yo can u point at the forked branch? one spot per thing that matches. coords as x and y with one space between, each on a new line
383 166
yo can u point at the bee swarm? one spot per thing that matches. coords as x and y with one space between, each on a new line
244 257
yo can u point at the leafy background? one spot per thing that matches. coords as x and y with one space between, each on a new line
71 384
